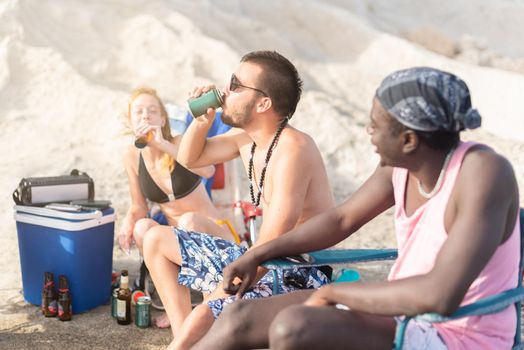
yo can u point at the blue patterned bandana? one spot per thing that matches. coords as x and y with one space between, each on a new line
427 99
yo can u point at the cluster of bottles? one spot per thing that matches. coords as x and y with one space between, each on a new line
121 301
56 304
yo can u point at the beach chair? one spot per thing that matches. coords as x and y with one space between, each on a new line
488 305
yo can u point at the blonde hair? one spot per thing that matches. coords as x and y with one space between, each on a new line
168 162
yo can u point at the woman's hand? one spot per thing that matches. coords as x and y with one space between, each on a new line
153 133
125 237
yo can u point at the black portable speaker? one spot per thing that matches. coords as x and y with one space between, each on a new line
54 189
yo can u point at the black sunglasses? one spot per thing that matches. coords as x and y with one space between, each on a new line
235 84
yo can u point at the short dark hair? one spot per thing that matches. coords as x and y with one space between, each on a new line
280 80
437 140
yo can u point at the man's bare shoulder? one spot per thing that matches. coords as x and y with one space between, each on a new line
297 150
485 167
295 139
480 156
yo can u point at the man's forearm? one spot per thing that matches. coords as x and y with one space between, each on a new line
319 232
409 296
192 144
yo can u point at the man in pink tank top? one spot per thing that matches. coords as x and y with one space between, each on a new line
456 220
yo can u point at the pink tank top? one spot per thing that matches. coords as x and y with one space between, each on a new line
419 239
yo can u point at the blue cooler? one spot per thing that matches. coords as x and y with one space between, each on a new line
78 245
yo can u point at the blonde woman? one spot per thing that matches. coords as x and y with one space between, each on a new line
154 175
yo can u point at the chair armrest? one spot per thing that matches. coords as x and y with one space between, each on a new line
484 306
332 257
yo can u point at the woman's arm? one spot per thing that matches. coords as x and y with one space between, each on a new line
138 208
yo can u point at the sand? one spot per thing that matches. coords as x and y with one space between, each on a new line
66 68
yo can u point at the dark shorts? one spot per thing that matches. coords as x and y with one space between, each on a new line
204 258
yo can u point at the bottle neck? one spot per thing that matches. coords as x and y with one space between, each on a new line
124 282
48 277
62 283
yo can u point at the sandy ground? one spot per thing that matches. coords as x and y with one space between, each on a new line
66 68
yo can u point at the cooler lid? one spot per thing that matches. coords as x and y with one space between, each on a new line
52 213
63 220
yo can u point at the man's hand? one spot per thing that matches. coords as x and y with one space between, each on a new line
320 297
240 274
209 116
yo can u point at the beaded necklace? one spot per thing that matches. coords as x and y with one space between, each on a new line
256 201
428 195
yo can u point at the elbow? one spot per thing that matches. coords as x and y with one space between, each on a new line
446 306
346 224
205 172
439 300
209 171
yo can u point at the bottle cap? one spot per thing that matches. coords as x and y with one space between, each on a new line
136 295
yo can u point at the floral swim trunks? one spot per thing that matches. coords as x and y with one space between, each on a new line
205 256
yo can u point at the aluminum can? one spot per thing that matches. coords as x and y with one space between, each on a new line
199 105
114 297
143 312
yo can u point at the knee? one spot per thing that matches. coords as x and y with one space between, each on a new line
191 221
235 320
153 240
141 227
202 313
289 329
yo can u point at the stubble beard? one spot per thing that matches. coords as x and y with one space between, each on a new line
228 120
238 119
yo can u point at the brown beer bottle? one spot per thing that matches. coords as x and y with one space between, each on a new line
65 312
141 142
49 307
123 301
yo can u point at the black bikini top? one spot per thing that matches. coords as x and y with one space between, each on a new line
183 182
